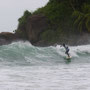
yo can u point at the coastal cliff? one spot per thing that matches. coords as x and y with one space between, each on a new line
60 21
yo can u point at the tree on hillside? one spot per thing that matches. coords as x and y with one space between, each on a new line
82 21
77 4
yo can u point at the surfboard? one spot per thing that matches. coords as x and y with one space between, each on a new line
68 58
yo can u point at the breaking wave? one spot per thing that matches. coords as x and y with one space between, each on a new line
23 53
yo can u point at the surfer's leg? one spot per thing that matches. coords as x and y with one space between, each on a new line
67 53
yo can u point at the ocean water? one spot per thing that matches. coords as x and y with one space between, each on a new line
26 67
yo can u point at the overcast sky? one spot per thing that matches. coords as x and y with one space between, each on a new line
11 10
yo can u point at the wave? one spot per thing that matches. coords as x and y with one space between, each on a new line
23 53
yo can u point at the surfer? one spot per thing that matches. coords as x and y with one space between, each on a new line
67 50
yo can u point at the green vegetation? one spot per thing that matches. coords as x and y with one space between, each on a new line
59 14
49 36
21 27
24 18
56 11
72 16
82 20
68 13
66 17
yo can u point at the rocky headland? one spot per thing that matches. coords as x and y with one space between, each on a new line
60 21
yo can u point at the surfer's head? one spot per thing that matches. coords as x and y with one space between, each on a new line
63 44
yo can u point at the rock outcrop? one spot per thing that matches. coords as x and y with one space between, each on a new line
30 31
60 21
7 38
35 25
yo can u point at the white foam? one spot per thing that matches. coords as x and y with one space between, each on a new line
74 50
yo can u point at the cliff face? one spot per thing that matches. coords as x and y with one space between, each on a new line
30 31
35 25
38 24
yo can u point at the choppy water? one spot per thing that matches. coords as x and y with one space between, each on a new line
25 67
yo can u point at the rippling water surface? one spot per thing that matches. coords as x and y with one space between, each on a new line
25 67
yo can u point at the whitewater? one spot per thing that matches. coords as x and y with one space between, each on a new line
26 67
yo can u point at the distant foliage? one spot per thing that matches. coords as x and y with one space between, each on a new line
72 16
50 35
82 18
65 17
21 26
24 18
56 11
77 4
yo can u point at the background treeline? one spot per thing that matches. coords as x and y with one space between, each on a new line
66 17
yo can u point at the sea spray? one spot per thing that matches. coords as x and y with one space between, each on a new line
25 53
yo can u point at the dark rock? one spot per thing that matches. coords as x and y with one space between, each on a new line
7 38
35 25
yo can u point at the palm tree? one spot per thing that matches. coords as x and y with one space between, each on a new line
82 18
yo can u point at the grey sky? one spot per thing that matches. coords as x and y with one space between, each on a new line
11 10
